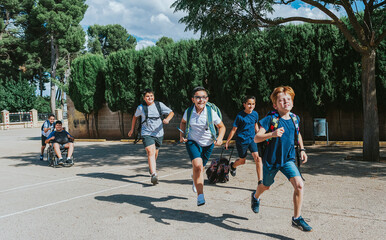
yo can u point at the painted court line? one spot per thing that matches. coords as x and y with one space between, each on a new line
67 179
85 195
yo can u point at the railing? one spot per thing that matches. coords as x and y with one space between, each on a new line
20 117
43 116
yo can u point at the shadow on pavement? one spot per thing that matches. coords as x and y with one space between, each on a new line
161 214
117 177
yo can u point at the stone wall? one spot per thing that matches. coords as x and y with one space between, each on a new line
342 125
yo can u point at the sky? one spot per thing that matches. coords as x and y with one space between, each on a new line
149 20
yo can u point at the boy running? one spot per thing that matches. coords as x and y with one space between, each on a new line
280 152
47 127
200 136
152 131
245 126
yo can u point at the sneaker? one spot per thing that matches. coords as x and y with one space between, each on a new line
200 200
60 161
301 224
232 170
69 162
255 203
154 178
193 187
41 157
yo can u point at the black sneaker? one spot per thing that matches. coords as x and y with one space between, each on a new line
60 161
255 204
68 163
233 170
154 179
41 157
301 224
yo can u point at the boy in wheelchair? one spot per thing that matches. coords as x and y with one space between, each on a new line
60 142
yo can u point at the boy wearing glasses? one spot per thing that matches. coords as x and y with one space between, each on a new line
152 131
199 136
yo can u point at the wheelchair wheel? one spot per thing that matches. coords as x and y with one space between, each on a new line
50 156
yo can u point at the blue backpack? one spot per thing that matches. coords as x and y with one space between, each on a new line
209 106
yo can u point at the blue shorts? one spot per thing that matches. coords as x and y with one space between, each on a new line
289 170
150 140
196 151
243 148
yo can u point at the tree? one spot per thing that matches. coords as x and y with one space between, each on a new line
363 30
87 85
54 20
110 38
163 41
16 95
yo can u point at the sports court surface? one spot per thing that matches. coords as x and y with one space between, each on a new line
107 194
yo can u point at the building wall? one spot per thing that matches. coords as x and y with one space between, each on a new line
341 125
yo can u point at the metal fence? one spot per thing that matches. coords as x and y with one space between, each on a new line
20 117
43 116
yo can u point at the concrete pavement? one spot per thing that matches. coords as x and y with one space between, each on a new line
108 194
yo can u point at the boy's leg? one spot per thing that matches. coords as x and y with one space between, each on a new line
242 152
198 175
151 153
297 183
70 150
43 147
259 165
238 162
57 150
268 180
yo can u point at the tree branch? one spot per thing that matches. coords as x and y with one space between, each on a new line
379 4
357 27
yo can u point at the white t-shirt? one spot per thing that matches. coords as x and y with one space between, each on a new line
152 127
199 130
47 124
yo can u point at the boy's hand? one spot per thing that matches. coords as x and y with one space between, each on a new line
303 157
165 121
183 140
227 145
130 133
278 132
218 142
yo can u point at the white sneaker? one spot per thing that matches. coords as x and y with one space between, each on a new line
193 187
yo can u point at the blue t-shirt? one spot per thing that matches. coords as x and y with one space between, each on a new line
280 150
245 124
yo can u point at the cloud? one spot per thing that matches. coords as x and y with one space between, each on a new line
149 20
144 44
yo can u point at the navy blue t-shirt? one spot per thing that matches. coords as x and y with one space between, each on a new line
245 124
279 150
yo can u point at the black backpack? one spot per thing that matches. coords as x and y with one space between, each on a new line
218 171
146 111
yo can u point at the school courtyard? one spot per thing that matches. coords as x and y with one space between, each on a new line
107 194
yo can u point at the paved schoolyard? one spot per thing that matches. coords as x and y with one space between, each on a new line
108 195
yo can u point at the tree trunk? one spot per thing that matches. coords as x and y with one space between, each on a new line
54 63
370 109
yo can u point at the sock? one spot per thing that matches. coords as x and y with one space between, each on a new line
68 158
295 218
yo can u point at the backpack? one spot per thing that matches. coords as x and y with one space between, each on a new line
262 146
209 106
218 171
146 111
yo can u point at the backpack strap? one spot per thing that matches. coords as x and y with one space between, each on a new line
296 123
188 115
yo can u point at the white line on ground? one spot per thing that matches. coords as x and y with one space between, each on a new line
67 179
85 195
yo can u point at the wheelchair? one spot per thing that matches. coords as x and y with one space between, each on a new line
53 159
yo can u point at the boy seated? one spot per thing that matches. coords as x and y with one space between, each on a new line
47 127
61 139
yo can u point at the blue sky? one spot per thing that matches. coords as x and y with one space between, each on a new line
149 20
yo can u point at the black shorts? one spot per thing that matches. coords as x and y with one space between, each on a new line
44 140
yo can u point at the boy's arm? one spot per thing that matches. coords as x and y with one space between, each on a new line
262 134
70 137
256 127
183 128
303 154
221 132
132 126
230 136
50 137
168 118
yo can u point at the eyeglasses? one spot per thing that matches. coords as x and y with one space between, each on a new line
200 97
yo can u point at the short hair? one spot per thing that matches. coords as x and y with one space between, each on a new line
51 115
282 89
199 88
147 90
58 122
249 97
